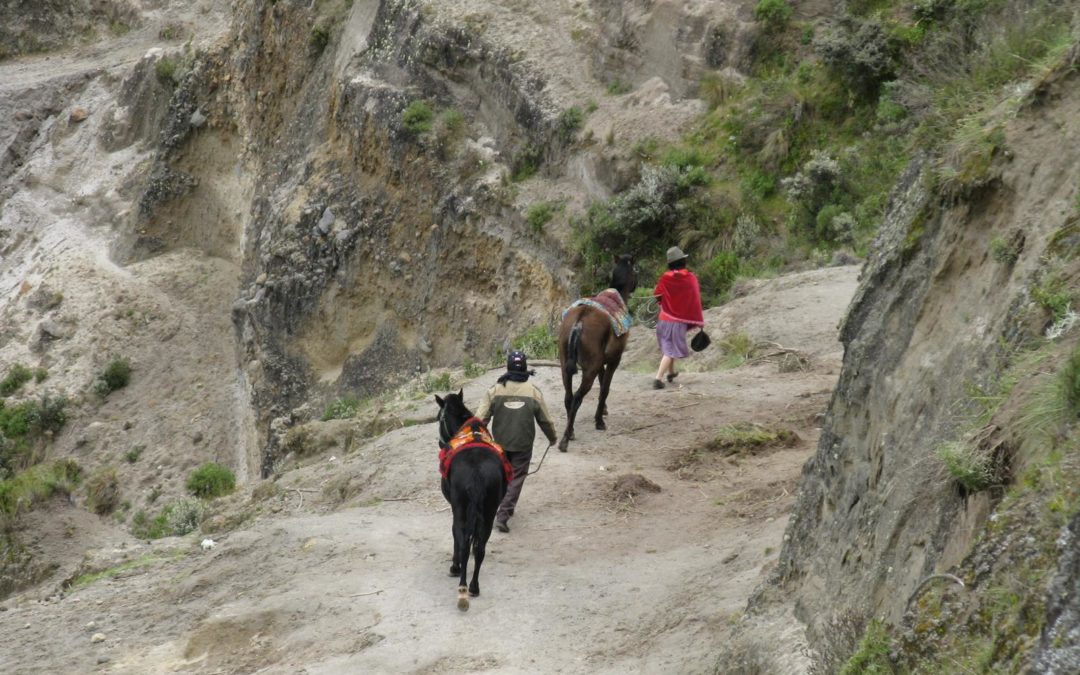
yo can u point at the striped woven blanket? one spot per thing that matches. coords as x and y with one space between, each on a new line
610 302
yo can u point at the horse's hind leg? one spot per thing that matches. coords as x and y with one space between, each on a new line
479 551
605 388
587 379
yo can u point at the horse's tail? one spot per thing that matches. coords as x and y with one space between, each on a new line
473 522
572 347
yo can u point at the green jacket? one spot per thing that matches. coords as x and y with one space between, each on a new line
512 407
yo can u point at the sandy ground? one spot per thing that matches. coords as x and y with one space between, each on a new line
584 582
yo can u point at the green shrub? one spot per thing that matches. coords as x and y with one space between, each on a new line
640 219
184 516
341 409
417 118
859 52
538 343
17 376
967 465
166 70
132 455
1002 252
772 14
569 123
871 657
16 421
617 88
526 162
48 414
320 37
1070 385
1053 296
717 275
540 214
116 375
145 527
211 480
103 491
40 375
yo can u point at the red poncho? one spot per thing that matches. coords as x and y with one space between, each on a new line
680 297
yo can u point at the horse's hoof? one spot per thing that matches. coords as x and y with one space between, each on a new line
455 570
473 594
563 444
463 604
600 426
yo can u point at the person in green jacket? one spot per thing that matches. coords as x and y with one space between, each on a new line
512 406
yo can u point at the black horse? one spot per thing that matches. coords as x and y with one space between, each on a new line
587 339
474 484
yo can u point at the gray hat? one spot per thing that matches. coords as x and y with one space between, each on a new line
675 253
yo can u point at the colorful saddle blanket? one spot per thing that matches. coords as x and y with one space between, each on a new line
473 434
610 302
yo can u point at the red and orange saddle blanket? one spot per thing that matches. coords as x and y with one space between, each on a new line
611 303
473 434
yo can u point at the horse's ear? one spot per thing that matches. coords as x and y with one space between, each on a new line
441 402
461 394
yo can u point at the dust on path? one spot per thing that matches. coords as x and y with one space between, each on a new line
583 583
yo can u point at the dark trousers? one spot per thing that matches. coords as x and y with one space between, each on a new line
520 462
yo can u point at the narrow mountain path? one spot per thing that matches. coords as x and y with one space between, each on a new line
344 568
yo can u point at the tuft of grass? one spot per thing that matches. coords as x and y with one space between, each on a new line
40 375
211 480
24 490
618 88
743 437
103 491
341 409
145 560
473 369
967 465
737 349
538 343
17 376
132 455
434 383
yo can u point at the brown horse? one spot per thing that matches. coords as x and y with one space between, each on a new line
587 339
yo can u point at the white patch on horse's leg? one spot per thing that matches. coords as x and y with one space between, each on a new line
463 598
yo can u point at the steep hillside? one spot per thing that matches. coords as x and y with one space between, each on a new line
950 443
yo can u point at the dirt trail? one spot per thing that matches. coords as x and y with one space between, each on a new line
584 582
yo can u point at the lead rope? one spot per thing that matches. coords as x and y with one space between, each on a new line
541 460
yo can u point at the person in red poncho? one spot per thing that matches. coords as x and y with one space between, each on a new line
680 309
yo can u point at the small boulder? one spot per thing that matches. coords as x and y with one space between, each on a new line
78 115
98 637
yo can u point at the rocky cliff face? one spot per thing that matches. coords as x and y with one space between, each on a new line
355 160
938 316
